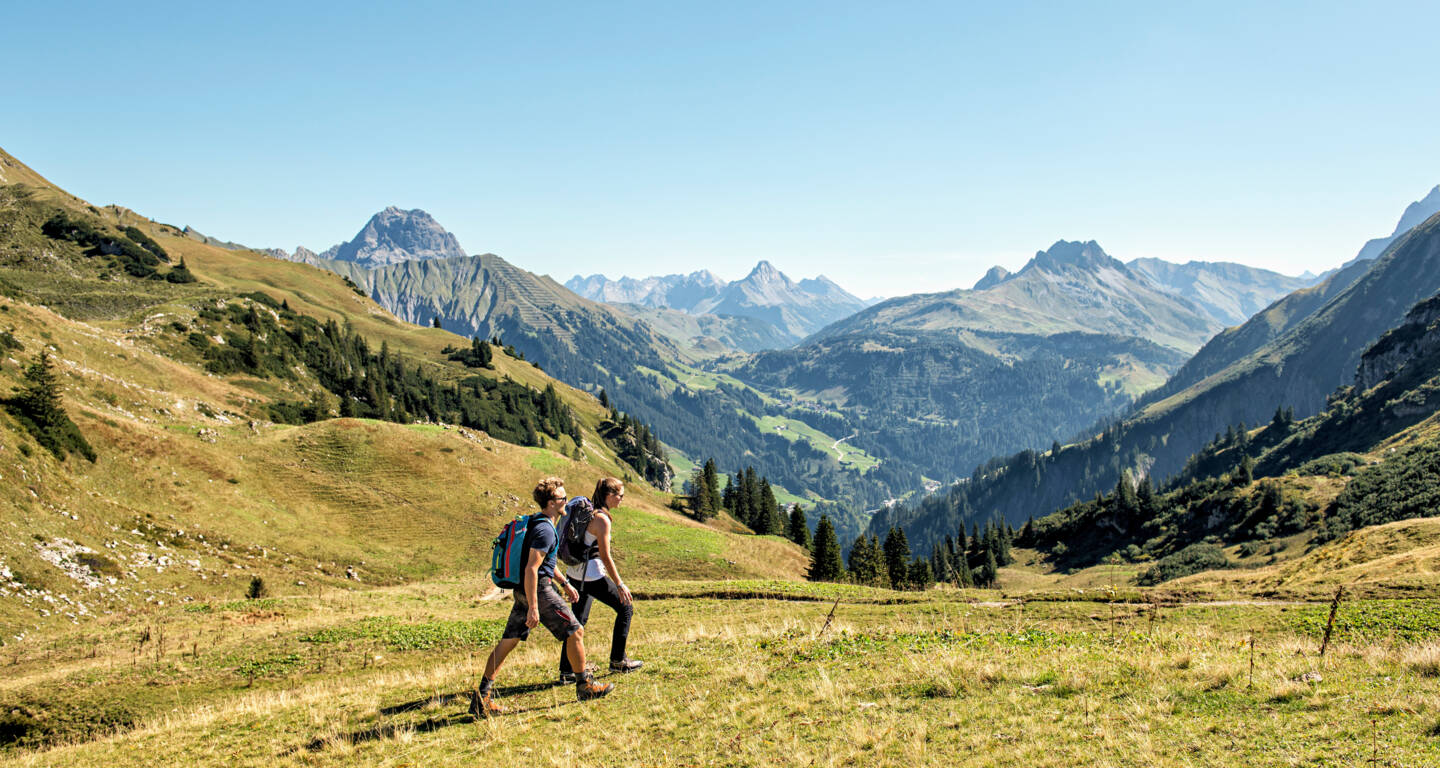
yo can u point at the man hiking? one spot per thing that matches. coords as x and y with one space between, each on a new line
538 602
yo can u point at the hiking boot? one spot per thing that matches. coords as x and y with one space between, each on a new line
626 665
483 704
587 689
569 678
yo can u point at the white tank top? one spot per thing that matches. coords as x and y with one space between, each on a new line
590 570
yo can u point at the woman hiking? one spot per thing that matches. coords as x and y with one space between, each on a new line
598 579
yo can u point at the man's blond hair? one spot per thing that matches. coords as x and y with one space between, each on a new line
545 490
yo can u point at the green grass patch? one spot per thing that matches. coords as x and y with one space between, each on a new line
547 460
396 636
1404 620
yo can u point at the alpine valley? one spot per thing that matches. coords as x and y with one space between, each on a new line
247 500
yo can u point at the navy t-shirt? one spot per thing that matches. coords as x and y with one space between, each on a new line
541 536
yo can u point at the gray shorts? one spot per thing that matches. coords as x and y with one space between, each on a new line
555 614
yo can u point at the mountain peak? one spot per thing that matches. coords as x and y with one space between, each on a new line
396 235
995 276
1065 256
765 271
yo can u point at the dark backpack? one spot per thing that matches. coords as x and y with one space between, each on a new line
578 514
507 562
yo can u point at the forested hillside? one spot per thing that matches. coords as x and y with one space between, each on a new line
936 403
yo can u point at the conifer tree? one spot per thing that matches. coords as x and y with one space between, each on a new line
940 564
919 575
825 562
762 515
991 569
701 498
39 399
1146 501
865 560
712 484
730 497
964 577
799 532
897 557
1244 472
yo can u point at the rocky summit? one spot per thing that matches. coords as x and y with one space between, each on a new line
392 236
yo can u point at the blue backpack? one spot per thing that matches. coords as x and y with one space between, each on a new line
507 562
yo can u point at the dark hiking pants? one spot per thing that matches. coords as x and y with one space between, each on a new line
606 592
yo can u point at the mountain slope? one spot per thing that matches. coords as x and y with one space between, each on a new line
1297 369
597 347
1072 286
1415 214
194 491
1229 293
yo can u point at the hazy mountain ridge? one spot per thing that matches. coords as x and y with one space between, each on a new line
1072 286
797 309
1414 214
1228 292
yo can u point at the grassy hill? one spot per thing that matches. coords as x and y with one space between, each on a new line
195 491
1398 559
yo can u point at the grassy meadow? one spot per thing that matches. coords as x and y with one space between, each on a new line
738 673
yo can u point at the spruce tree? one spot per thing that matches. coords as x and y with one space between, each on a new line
700 498
825 562
1244 472
897 557
864 560
728 499
799 531
39 399
763 518
919 575
712 483
991 570
964 577
940 564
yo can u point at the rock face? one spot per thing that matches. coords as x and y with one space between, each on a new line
392 236
992 278
1417 337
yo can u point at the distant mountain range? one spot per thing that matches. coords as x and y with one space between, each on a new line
928 384
632 355
1229 293
1294 354
1071 287
796 309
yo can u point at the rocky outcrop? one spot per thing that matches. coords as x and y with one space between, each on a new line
1417 337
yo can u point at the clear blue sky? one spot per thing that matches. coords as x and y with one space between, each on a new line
896 147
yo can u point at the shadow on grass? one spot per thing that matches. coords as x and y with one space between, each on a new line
391 730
